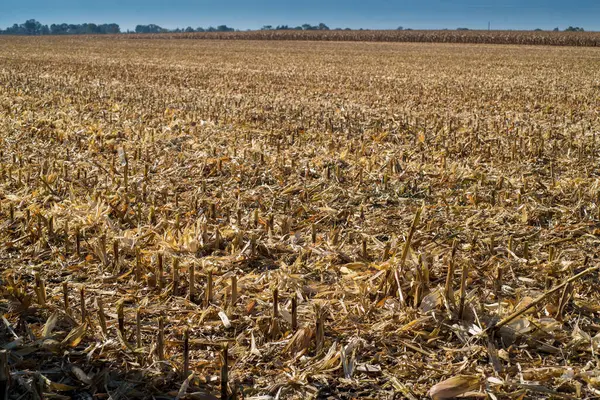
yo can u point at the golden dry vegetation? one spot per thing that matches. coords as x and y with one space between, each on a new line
440 36
341 220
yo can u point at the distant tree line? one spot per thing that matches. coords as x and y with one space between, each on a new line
569 29
33 27
304 27
157 29
224 28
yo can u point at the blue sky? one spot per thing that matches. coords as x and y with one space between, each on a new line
374 14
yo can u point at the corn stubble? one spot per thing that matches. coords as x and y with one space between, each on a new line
202 219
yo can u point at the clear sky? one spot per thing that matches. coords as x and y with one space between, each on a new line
248 14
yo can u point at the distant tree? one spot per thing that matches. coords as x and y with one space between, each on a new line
323 27
555 29
462 29
112 28
152 28
211 29
200 29
32 27
309 27
298 28
267 28
15 30
89 28
224 28
282 27
538 30
574 29
347 29
189 29
400 28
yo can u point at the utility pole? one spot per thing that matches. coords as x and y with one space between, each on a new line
489 25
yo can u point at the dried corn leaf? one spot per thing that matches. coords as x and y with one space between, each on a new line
75 336
454 386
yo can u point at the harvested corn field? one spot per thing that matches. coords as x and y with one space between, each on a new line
291 220
429 36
